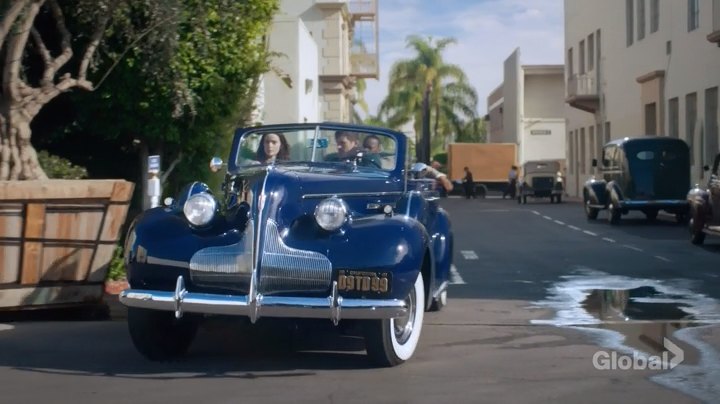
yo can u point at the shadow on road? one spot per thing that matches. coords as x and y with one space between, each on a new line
226 348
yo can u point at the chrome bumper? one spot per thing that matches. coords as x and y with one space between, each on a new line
333 307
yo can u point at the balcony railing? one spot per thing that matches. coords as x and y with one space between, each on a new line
580 85
364 54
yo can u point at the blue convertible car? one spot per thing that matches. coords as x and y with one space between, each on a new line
314 221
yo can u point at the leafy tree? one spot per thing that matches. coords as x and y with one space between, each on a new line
179 95
452 100
48 48
474 131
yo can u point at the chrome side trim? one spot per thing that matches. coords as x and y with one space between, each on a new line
333 307
351 194
162 261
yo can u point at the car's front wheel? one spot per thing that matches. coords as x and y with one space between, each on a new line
590 212
391 342
439 302
695 225
158 335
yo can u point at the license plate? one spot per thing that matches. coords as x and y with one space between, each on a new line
363 281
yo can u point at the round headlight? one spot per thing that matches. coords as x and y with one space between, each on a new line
331 213
199 209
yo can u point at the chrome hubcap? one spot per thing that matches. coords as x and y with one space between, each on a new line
403 326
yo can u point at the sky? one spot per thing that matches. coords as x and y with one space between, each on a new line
486 31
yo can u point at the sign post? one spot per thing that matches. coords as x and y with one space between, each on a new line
153 185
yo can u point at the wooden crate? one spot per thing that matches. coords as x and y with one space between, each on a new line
57 238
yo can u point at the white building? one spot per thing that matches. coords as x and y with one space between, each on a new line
528 109
325 45
638 67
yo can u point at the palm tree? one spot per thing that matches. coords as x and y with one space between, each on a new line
452 101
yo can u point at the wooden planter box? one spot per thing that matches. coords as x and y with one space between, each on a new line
57 239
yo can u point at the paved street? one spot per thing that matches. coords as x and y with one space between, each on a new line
538 291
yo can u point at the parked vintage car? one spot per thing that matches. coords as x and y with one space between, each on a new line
647 174
705 207
541 179
325 230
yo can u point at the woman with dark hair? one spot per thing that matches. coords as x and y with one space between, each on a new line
273 146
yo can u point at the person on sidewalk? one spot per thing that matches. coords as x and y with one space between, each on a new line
512 183
469 184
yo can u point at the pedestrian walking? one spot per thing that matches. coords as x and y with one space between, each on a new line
469 184
512 183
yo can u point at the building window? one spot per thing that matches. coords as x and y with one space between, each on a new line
581 57
641 19
569 62
673 117
651 119
582 151
606 133
711 124
571 148
629 20
654 15
693 15
592 142
591 52
690 123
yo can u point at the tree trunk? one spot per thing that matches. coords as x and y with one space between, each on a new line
18 159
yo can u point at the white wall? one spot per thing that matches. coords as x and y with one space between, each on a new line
283 103
541 146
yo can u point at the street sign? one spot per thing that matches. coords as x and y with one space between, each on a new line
541 132
153 164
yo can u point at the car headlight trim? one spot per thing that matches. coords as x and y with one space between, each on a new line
200 208
331 213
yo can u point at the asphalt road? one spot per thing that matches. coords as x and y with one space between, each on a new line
537 293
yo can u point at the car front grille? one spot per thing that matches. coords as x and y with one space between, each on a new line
283 268
539 183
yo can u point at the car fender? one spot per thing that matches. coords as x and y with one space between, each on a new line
160 244
377 243
614 194
595 191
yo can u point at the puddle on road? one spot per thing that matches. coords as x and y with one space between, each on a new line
632 315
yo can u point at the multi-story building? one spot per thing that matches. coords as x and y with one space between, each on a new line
323 47
640 67
528 109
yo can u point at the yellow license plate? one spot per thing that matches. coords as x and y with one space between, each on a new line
363 281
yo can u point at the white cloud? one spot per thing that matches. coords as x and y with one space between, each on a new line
487 31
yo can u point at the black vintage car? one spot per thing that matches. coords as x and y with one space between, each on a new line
705 207
647 174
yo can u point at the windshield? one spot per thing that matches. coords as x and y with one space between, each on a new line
367 149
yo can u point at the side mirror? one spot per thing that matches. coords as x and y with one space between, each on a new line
594 162
216 164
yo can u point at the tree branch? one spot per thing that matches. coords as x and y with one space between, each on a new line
9 18
15 50
130 46
45 54
166 174
94 42
67 52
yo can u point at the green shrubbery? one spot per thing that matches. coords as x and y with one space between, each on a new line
59 168
116 271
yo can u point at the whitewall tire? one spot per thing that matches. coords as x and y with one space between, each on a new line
393 341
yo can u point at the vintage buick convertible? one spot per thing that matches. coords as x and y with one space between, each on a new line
309 225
